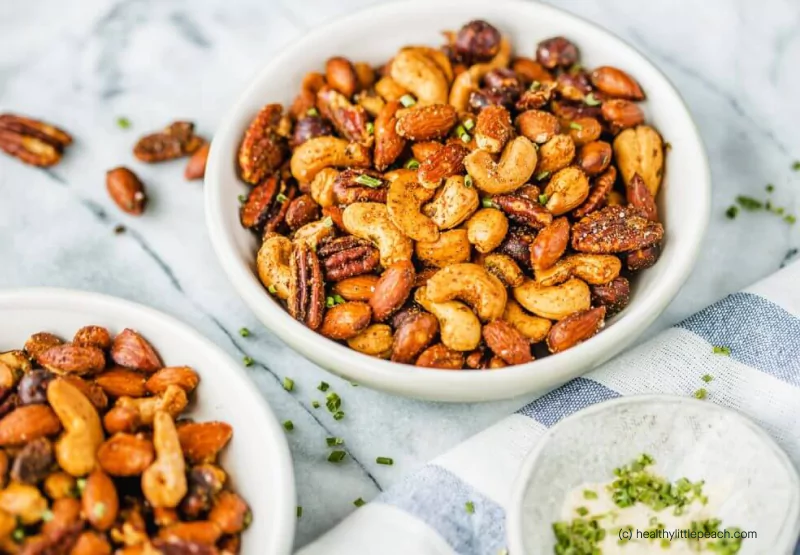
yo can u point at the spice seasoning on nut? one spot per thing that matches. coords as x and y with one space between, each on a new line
463 209
99 457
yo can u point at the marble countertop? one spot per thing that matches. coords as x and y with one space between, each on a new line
83 64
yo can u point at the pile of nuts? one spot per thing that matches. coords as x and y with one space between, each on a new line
457 207
94 459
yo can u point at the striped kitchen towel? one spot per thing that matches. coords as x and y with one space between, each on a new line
425 513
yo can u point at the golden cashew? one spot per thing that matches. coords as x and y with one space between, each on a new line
459 328
566 190
314 232
83 433
530 326
164 481
16 360
272 264
505 269
454 203
515 167
371 221
389 89
24 502
559 272
439 57
594 269
376 341
472 284
322 187
404 200
318 153
452 247
641 150
555 154
486 229
555 302
470 80
421 75
172 401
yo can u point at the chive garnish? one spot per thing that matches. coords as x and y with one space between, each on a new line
272 289
323 386
123 122
242 199
334 441
299 511
535 86
542 175
99 510
469 124
18 535
312 112
770 187
796 166
288 425
407 100
385 460
720 350
589 494
465 138
281 198
732 211
412 164
487 202
359 502
707 378
470 507
582 511
337 456
288 384
701 393
591 100
248 361
315 404
576 126
468 181
370 128
749 203
368 180
338 415
244 332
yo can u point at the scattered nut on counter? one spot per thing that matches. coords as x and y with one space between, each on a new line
32 141
459 207
95 459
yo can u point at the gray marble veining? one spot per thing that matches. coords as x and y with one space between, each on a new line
83 64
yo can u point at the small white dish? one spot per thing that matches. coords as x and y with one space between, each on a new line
686 437
257 459
684 202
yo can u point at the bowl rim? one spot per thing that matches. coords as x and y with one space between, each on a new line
64 300
435 384
514 526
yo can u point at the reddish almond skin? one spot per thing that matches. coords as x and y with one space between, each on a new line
125 455
38 343
182 376
575 328
93 336
616 83
446 161
345 321
202 532
613 295
196 166
594 157
73 358
550 244
392 289
202 441
621 114
121 382
131 350
341 75
506 342
229 512
439 356
27 423
100 501
413 335
126 190
388 144
121 419
427 122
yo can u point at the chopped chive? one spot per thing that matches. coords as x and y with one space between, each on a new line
468 181
582 511
469 124
299 511
542 175
732 212
796 166
707 378
465 138
288 384
334 402
359 502
535 86
770 187
329 302
487 202
720 350
338 299
242 199
281 198
244 332
790 219
749 203
368 180
470 507
248 361
99 510
591 100
323 386
338 415
47 515
576 126
543 199
412 164
288 425
407 100
80 484
123 122
779 211
312 112
701 393
589 494
315 404
460 130
334 441
272 289
337 456
327 222
385 460
18 535
370 128
354 384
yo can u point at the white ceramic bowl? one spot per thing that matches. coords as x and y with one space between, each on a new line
375 35
257 459
757 486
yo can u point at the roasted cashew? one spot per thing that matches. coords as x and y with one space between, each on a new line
16 360
473 285
514 169
504 268
413 70
594 269
23 501
371 221
164 481
555 302
404 200
83 433
566 190
459 328
470 80
486 229
172 401
376 340
532 327
313 155
555 154
314 232
322 187
438 56
272 264
389 89
454 203
451 247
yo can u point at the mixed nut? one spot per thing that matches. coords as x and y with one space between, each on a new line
95 459
457 207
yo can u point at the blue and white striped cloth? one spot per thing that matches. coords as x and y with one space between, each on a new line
424 514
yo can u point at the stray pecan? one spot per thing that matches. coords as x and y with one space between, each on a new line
445 162
33 142
642 259
613 295
506 342
126 190
176 140
575 328
349 119
557 52
597 196
517 245
348 256
388 144
415 331
524 210
440 356
263 148
392 289
424 123
349 188
615 229
306 301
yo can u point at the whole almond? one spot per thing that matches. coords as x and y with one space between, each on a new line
423 123
38 343
202 441
182 376
230 513
506 342
27 423
538 126
442 357
90 390
126 190
412 336
341 75
388 143
99 500
345 321
392 289
131 350
550 244
622 114
493 128
125 455
594 157
93 336
121 382
202 532
357 288
122 419
616 83
425 149
73 359
196 166
445 162
575 328
91 543
585 130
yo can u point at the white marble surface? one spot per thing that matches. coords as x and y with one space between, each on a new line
83 64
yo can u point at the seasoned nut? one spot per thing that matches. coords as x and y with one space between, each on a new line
388 142
356 288
24 502
641 151
622 114
172 401
348 187
345 321
28 423
322 187
641 259
59 485
514 168
567 189
120 382
444 162
524 210
73 359
615 229
613 295
33 387
531 327
550 244
259 207
306 301
530 70
263 149
556 52
341 75
460 328
348 256
486 229
371 221
90 390
554 302
639 196
38 343
364 74
122 419
538 126
599 193
164 482
594 269
125 455
131 350
440 356
315 233
33 142
100 501
349 120
506 342
412 336
389 89
91 543
302 210
83 434
204 482
423 123
573 85
555 154
309 127
32 464
174 141
404 202
477 41
504 268
451 247
199 532
594 157
375 340
575 328
230 513
92 336
616 83
413 70
201 442
536 97
392 290
517 245
585 130
181 376
196 166
472 284
319 153
453 204
493 128
126 190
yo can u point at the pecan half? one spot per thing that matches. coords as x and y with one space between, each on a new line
445 162
615 229
613 295
176 140
598 194
306 301
348 256
348 187
32 141
349 119
524 210
642 259
267 204
639 196
263 148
